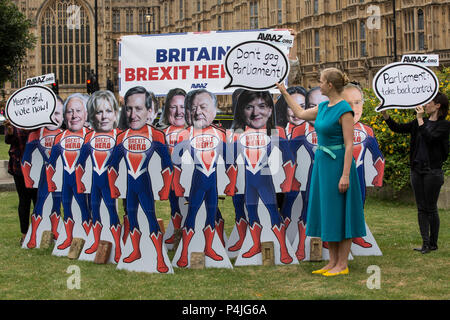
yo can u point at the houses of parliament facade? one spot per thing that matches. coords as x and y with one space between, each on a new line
356 36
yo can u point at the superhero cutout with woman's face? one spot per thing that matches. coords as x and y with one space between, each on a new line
98 146
253 139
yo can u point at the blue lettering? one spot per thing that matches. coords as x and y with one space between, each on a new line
161 55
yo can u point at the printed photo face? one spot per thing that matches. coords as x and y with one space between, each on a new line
203 110
354 98
57 115
137 113
315 98
256 113
300 99
75 115
104 117
176 111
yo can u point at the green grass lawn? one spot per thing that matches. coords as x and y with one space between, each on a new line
405 274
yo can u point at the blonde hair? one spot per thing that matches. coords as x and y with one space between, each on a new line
336 77
95 100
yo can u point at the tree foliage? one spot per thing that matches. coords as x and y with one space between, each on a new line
15 39
395 147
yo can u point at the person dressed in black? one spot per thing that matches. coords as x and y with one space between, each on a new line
428 151
17 139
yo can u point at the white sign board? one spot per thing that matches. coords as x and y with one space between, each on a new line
404 85
31 107
256 65
188 60
431 60
41 80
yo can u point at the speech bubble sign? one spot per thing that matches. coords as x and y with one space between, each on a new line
404 86
255 65
31 107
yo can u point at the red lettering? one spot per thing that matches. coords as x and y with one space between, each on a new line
183 71
153 73
129 74
213 71
141 74
222 71
203 72
166 73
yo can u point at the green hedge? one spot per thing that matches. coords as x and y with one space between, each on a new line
394 146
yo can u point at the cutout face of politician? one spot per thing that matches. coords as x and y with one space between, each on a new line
137 112
354 97
57 115
257 113
203 110
176 111
105 117
300 99
75 114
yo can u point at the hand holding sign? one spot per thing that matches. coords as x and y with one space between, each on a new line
404 85
31 107
256 65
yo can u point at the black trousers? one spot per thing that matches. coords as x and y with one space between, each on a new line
426 185
25 197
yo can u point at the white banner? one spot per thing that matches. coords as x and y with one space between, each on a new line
188 60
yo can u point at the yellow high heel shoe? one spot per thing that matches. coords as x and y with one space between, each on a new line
320 271
327 274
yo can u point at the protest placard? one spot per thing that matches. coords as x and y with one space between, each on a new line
404 85
255 65
188 60
31 107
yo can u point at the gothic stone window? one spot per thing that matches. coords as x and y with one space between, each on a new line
65 41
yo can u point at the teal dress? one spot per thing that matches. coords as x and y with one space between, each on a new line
333 216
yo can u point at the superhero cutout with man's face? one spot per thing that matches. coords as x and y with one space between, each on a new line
92 176
139 148
369 163
268 168
198 158
303 144
46 213
67 146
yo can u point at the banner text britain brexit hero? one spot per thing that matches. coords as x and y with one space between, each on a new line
180 72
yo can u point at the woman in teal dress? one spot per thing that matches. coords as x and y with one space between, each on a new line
335 211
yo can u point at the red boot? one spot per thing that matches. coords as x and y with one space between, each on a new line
97 229
135 240
35 221
241 227
220 225
300 253
157 242
209 237
280 233
87 225
361 242
69 229
116 231
255 232
286 222
126 228
186 238
176 221
54 219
